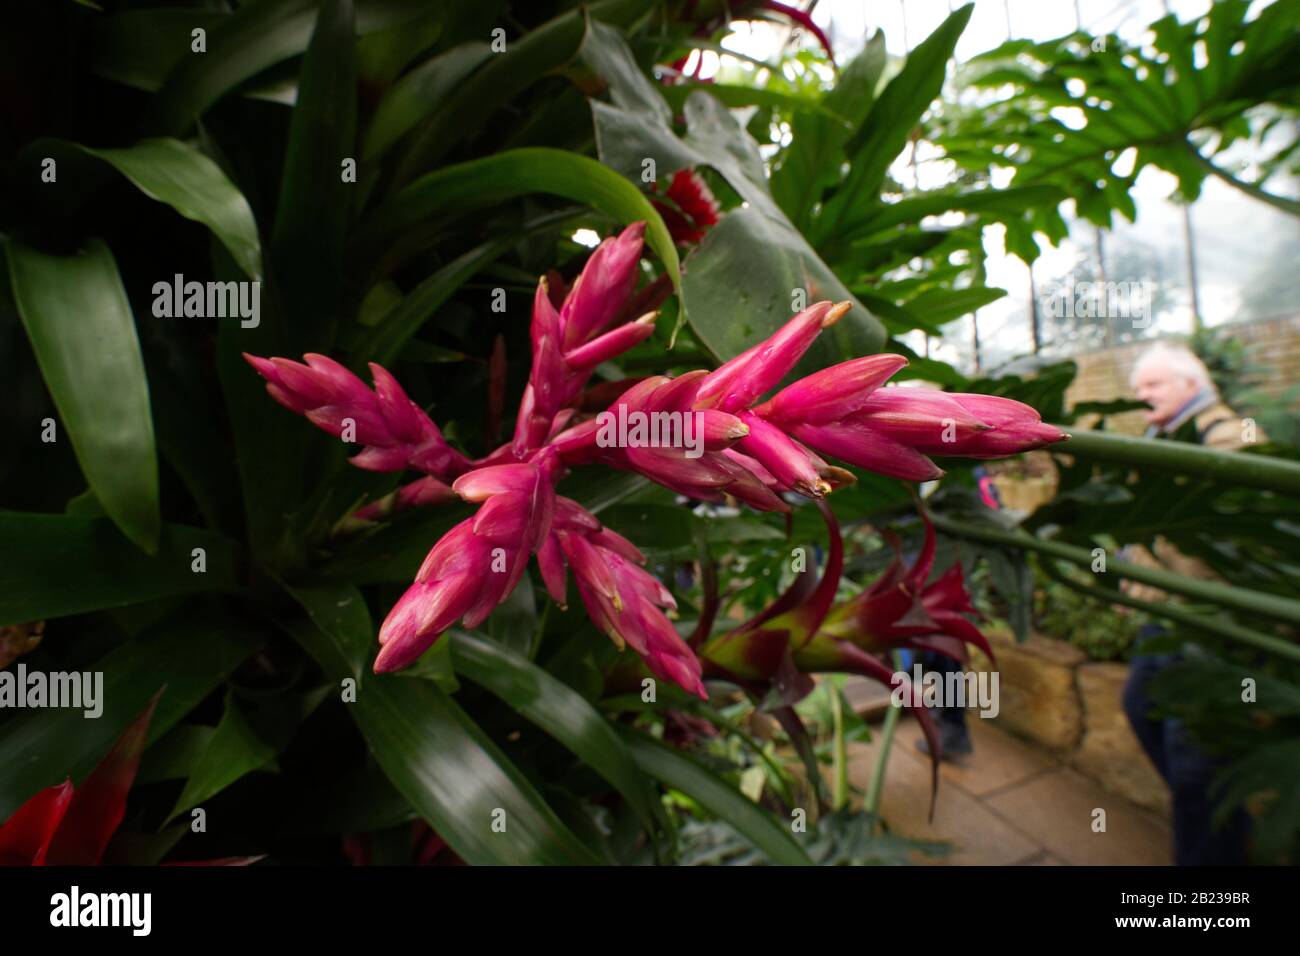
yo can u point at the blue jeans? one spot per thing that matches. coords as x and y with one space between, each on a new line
1187 770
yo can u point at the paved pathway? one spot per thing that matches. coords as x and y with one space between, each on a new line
1008 803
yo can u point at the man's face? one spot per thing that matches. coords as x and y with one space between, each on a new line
1164 390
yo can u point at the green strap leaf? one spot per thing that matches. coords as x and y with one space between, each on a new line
80 325
717 796
233 751
557 709
518 172
312 216
181 176
440 760
56 565
254 37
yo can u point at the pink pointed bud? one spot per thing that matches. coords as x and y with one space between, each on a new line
482 483
577 445
423 492
571 516
721 430
833 393
550 560
739 383
375 458
868 448
406 420
930 421
787 462
612 344
420 616
1016 427
603 287
613 541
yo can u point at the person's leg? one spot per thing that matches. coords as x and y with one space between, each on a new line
1196 842
953 735
1149 731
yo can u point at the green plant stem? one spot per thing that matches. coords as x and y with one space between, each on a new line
840 790
1250 471
1172 612
1214 592
1289 206
871 804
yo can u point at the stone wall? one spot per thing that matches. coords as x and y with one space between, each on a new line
1050 693
1103 374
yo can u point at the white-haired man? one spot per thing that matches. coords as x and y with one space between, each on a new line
1177 387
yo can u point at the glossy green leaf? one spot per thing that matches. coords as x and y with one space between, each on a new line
420 90
720 798
558 710
55 565
450 771
517 172
80 325
233 751
312 216
189 655
739 284
181 176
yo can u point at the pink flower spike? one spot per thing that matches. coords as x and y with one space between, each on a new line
780 456
869 449
833 393
739 383
420 616
612 344
604 286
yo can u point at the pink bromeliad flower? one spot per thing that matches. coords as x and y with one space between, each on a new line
729 443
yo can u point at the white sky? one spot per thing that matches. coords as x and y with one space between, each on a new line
1233 232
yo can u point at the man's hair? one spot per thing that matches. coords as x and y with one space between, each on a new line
1179 359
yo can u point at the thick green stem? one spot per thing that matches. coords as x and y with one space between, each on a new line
840 787
1234 468
871 804
1215 592
1172 612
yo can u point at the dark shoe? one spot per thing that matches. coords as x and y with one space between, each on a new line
955 742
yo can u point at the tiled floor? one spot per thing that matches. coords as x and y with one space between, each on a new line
1008 803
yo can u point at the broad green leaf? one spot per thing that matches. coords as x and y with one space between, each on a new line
233 751
558 710
411 98
886 129
181 176
312 215
494 179
812 161
80 325
450 771
754 255
720 798
56 565
188 655
340 614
